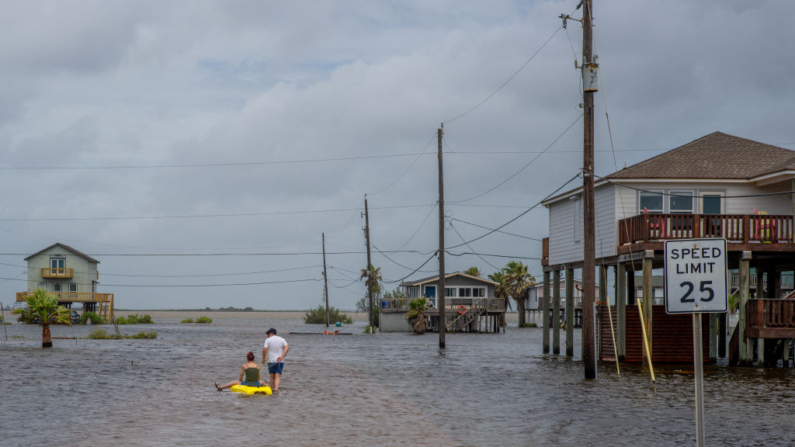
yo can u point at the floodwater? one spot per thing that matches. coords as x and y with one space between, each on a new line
382 390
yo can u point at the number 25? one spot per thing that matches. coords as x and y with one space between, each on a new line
703 288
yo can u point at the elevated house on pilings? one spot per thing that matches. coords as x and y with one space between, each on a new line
470 305
718 186
69 275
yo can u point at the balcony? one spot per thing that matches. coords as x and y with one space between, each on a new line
743 232
72 297
52 272
770 318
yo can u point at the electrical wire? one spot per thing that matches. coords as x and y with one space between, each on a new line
498 231
195 216
418 228
415 271
407 169
465 242
188 285
523 167
129 275
395 262
507 80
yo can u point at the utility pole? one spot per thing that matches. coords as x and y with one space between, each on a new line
369 265
325 276
441 291
589 76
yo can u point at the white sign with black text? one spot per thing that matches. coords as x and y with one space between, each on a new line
696 276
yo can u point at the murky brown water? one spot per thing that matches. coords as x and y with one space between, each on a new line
388 389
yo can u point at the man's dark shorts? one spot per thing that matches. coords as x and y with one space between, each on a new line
276 368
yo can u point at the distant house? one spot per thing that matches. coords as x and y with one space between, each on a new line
470 304
70 275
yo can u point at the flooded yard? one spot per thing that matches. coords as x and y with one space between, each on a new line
387 389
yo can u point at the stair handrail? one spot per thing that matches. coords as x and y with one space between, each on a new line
472 306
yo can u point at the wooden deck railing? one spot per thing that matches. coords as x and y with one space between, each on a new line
402 304
77 297
51 272
770 318
736 228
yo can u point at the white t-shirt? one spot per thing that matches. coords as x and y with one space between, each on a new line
275 346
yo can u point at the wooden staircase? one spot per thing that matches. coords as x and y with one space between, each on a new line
473 313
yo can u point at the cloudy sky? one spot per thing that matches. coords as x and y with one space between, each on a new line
126 98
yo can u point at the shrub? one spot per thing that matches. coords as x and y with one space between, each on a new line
204 320
369 330
187 320
134 319
318 316
143 336
91 316
102 334
530 325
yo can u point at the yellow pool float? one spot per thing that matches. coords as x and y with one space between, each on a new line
252 389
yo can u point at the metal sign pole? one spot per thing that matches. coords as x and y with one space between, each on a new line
698 370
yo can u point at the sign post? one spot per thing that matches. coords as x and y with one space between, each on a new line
696 282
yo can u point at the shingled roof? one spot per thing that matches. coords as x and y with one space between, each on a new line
66 247
715 156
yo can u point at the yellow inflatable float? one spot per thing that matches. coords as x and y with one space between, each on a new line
252 389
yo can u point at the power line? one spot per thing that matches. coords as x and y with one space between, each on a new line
189 285
129 275
520 214
415 271
498 231
465 242
203 165
523 167
507 80
418 228
180 255
194 216
407 169
395 262
472 253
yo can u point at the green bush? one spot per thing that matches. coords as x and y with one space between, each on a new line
187 320
143 336
318 316
91 316
369 330
134 319
204 320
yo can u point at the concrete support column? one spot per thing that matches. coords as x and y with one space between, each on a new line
648 297
746 348
545 312
621 311
569 312
556 312
713 338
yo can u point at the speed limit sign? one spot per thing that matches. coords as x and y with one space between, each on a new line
696 278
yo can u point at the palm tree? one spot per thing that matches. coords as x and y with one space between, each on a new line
44 310
373 275
517 280
501 290
416 315
473 271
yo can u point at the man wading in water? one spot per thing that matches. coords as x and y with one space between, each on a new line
277 348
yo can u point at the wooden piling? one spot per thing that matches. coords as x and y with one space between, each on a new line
569 312
648 296
713 338
746 349
545 313
556 312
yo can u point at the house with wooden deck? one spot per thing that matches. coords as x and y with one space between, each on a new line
70 275
718 186
470 305
535 298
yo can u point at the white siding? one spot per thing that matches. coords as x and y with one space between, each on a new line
562 245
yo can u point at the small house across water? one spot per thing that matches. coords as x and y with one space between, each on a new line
470 305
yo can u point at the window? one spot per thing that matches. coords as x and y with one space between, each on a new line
464 292
430 291
450 292
479 292
651 202
57 261
56 287
681 202
72 287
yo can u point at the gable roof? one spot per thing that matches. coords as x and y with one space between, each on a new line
715 156
58 244
435 278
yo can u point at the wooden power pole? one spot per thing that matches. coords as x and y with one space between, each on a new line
369 265
589 76
325 276
441 292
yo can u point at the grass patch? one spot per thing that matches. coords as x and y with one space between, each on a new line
204 320
529 325
187 320
369 330
134 319
102 334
